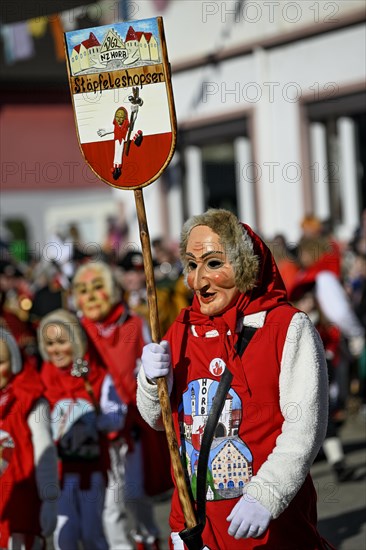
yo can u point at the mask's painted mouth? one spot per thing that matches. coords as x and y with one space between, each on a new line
206 297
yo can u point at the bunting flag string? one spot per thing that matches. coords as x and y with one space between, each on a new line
18 43
19 38
37 26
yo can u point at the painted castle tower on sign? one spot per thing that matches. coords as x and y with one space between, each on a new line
230 460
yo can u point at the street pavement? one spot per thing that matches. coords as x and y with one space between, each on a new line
341 506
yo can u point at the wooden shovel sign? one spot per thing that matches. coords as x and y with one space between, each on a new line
123 104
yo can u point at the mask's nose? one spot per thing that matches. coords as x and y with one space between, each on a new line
200 281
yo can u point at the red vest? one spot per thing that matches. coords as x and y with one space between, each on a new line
19 500
119 341
246 433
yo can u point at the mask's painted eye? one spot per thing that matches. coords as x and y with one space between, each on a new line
98 286
80 290
214 263
191 265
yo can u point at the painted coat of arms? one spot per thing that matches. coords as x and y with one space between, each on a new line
120 85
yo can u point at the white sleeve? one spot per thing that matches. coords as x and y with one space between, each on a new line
334 303
148 402
113 411
44 451
304 405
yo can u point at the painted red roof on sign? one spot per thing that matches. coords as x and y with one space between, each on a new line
147 35
91 41
131 34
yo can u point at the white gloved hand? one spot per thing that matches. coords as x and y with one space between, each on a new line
156 362
48 517
249 518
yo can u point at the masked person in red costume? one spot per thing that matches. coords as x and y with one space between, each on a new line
28 463
321 267
240 331
119 336
84 408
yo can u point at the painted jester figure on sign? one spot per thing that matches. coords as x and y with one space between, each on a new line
121 129
122 100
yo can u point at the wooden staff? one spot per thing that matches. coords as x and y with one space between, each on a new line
184 497
143 177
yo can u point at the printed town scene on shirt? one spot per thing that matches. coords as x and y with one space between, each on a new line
121 92
230 459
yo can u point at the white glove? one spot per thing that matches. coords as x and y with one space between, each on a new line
156 362
249 518
48 517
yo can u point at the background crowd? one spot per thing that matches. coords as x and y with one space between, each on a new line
45 303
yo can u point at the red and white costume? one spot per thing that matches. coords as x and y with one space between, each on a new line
274 418
120 132
20 486
119 340
83 449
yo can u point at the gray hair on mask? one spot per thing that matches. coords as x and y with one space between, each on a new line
74 330
15 357
105 272
234 239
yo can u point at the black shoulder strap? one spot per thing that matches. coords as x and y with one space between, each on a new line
245 337
213 418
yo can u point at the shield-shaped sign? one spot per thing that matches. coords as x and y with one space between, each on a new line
119 78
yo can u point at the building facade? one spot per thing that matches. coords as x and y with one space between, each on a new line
270 104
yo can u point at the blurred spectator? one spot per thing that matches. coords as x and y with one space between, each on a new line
16 300
355 284
60 250
171 293
79 250
303 297
117 235
84 408
119 336
285 259
320 266
49 292
28 465
131 276
311 227
358 243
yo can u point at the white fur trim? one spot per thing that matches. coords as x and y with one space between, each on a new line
304 404
148 402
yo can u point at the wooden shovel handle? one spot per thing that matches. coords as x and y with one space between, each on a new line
179 476
130 130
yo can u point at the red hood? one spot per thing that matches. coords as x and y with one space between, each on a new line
305 278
